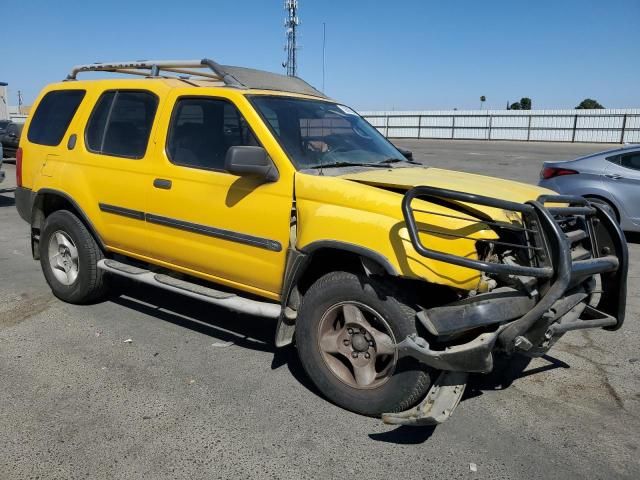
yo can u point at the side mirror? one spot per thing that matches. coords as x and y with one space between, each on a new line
254 161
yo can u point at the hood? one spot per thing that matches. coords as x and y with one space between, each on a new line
406 178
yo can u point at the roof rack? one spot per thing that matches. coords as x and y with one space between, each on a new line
153 68
204 69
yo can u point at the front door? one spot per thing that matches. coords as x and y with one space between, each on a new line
206 221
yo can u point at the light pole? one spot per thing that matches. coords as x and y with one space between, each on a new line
324 45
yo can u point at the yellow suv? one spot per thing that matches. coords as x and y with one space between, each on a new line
255 191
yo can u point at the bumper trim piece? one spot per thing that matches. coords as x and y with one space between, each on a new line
437 407
473 356
500 305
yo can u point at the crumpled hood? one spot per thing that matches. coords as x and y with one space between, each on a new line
405 178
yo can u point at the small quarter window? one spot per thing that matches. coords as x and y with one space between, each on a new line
53 116
203 129
120 124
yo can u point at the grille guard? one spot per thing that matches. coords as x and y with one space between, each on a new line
604 232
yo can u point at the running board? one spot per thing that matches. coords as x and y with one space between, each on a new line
193 290
441 400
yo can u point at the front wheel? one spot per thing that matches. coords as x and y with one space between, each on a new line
346 332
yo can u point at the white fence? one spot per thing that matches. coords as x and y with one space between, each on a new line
599 126
17 118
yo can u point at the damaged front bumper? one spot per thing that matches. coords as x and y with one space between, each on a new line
528 320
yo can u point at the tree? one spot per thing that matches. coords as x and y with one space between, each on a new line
588 103
523 104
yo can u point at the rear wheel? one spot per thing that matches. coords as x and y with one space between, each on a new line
69 255
346 332
607 205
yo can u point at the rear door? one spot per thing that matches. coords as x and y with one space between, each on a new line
113 171
623 181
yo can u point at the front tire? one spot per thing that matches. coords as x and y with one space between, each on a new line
68 256
346 332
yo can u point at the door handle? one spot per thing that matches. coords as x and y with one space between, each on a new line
613 176
162 183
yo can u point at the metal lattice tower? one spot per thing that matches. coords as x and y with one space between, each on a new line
291 23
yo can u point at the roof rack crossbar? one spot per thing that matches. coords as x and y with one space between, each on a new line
153 68
188 72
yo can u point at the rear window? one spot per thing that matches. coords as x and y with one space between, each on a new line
53 116
120 123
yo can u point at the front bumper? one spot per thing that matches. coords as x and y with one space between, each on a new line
518 320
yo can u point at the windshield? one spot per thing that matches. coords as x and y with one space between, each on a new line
319 134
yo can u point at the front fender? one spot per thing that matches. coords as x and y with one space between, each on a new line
332 209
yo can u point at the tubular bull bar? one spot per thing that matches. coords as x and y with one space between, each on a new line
521 321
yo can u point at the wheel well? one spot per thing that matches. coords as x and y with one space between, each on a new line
328 260
608 202
45 204
415 292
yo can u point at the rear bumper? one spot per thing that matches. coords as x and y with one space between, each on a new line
513 320
24 202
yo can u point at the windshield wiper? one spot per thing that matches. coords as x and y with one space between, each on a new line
347 164
396 160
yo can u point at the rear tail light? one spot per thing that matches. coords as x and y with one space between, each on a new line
550 172
19 167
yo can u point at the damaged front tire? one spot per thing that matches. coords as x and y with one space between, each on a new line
347 330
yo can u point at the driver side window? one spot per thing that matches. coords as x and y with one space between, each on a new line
202 129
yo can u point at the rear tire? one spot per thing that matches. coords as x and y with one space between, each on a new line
328 312
607 205
69 256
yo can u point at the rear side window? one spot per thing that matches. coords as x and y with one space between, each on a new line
120 123
53 116
203 129
631 160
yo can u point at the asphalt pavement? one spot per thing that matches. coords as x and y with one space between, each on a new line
152 385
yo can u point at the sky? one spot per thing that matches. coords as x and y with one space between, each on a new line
402 55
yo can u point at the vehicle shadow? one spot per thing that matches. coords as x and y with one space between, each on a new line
5 199
506 370
632 237
255 333
245 331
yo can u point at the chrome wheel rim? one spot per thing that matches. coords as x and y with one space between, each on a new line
357 345
63 258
